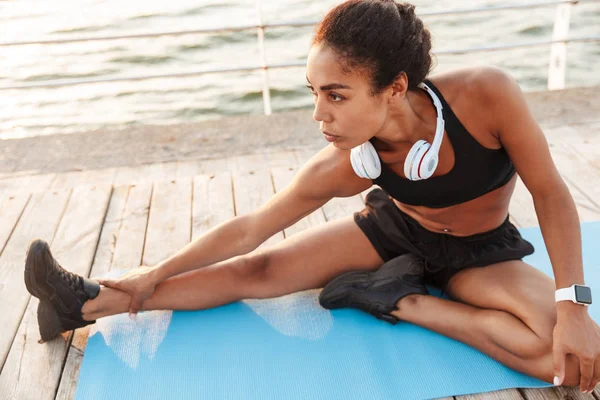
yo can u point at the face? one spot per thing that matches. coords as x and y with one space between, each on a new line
344 106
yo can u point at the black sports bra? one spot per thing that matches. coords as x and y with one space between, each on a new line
477 170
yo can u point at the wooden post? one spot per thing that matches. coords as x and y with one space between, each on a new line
558 51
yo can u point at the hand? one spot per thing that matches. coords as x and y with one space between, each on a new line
139 283
576 333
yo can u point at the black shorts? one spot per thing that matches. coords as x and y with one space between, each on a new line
394 233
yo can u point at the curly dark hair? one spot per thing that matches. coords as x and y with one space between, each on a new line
380 37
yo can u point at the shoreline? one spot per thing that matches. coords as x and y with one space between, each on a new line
227 137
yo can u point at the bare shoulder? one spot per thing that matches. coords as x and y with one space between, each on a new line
479 96
329 173
474 84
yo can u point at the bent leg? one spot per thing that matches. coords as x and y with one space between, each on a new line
304 261
505 310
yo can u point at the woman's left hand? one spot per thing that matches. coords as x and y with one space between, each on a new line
576 333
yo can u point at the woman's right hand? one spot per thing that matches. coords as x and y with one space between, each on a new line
138 282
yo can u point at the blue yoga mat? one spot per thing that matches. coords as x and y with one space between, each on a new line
291 348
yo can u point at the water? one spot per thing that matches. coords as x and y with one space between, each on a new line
44 111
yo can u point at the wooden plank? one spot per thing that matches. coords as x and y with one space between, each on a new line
187 169
215 166
213 202
573 393
252 190
88 177
583 139
262 160
580 178
302 156
244 163
26 184
282 159
102 263
169 223
341 207
540 394
282 177
40 219
11 209
130 244
508 394
33 367
146 173
577 171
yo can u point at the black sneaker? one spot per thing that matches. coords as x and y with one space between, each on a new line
377 292
61 293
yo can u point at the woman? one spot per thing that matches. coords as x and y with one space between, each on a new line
365 69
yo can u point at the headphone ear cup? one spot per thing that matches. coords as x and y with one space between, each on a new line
429 164
356 162
370 160
413 159
365 161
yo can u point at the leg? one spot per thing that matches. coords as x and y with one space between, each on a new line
304 261
505 310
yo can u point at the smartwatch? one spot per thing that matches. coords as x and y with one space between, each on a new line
579 294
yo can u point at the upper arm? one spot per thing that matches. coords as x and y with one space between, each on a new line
328 174
519 132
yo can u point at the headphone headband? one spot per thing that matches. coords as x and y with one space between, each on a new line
439 127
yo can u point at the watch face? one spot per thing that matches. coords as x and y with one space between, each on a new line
583 294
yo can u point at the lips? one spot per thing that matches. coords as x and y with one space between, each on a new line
329 134
329 137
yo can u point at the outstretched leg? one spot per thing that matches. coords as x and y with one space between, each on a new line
304 261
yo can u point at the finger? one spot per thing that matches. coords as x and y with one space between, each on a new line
586 368
134 306
558 357
108 282
596 378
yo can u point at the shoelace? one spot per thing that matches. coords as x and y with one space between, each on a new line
74 281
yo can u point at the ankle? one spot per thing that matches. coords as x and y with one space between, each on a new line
108 302
407 304
90 308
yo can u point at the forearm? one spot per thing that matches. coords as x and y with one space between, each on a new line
224 241
561 229
559 223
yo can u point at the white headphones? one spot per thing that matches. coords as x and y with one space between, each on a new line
421 161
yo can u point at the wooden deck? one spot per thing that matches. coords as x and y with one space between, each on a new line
98 220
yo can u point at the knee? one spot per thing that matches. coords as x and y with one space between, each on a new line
252 270
540 349
542 339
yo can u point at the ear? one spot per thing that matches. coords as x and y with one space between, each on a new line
399 87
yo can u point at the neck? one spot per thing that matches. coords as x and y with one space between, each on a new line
413 118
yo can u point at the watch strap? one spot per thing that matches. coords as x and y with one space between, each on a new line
563 294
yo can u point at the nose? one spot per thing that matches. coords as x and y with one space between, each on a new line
320 114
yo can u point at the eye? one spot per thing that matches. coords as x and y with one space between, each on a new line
312 90
335 96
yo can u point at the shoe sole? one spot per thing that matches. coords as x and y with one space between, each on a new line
48 322
338 293
35 257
